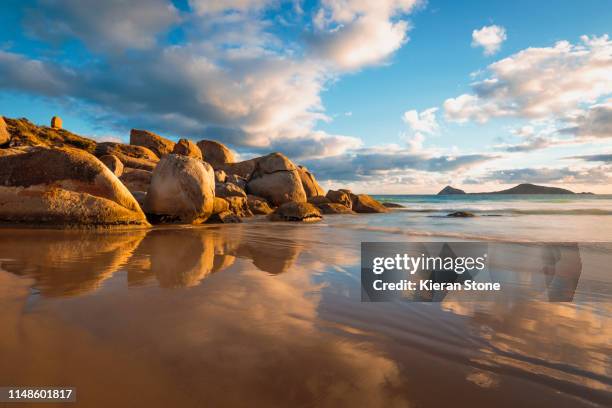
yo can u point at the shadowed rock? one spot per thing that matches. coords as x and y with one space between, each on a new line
154 142
113 164
187 148
136 157
220 176
461 214
276 179
136 179
224 217
243 169
318 200
295 211
63 186
228 190
335 208
215 153
239 206
182 189
392 205
258 205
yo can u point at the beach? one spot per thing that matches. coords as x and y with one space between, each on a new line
271 313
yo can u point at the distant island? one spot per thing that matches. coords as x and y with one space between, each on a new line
525 188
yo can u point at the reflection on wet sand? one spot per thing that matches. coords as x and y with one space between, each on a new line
272 317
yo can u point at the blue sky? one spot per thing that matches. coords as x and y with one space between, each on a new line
397 96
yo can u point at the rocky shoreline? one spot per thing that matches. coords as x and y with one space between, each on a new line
50 176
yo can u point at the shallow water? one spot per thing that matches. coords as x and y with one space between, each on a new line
263 314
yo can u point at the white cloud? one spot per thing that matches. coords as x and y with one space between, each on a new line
424 122
490 38
539 83
351 34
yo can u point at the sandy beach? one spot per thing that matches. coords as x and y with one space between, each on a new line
271 313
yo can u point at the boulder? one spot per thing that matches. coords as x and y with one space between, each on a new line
243 169
318 200
215 153
56 122
136 157
63 186
392 205
140 197
296 211
340 197
113 163
182 189
154 142
335 208
311 187
228 190
187 148
239 206
363 203
136 179
276 179
237 180
220 176
225 217
461 214
258 205
5 136
220 205
25 133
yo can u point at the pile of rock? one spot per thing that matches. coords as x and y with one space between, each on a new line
51 176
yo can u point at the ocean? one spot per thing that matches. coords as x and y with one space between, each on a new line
580 218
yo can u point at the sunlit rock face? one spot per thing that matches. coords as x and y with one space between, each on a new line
63 186
182 189
156 143
276 179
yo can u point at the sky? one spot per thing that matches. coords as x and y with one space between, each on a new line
386 96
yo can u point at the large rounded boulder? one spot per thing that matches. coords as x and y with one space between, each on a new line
340 197
182 190
63 186
276 179
363 203
187 148
215 153
152 141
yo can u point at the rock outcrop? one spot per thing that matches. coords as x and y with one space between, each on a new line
392 205
363 203
239 206
225 217
136 157
152 141
309 183
56 122
63 186
182 189
460 214
340 197
318 200
243 169
113 164
258 205
296 211
5 137
276 179
215 153
25 133
220 176
187 148
448 190
220 205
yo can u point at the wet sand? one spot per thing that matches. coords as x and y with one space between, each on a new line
270 315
